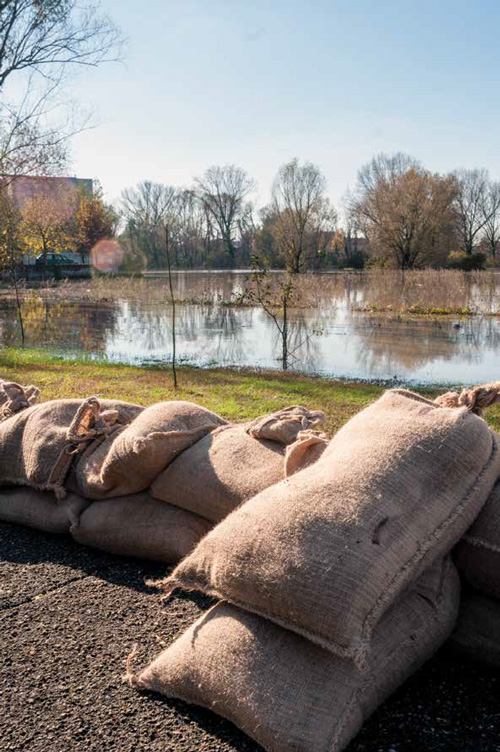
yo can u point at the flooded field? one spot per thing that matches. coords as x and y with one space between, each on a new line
337 327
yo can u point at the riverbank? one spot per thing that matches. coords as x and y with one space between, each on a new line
426 292
235 394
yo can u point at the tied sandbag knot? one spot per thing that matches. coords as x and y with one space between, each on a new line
476 400
14 398
87 425
296 452
284 425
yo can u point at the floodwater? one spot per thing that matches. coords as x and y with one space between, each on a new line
329 338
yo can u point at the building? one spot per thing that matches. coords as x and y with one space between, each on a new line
25 187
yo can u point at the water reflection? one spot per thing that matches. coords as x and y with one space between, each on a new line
330 339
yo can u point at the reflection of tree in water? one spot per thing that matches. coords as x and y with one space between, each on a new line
74 326
216 331
304 328
387 345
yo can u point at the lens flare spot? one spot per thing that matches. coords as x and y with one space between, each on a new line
106 255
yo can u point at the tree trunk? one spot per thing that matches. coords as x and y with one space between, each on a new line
172 300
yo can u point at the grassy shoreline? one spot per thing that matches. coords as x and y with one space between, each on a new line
236 395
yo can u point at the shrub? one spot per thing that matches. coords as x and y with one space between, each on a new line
466 262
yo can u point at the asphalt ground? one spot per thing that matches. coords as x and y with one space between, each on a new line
69 617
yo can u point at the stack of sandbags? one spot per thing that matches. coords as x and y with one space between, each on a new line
40 509
235 462
39 443
98 449
478 558
139 526
288 693
128 461
337 577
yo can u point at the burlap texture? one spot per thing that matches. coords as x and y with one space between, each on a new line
284 425
37 444
139 526
223 470
477 633
128 461
327 551
289 694
39 509
14 398
478 553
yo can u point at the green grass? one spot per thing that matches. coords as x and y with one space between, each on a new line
236 395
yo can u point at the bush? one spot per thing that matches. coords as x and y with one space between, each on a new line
466 261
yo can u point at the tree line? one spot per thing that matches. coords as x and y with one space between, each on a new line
399 215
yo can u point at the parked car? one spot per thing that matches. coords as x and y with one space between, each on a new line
53 259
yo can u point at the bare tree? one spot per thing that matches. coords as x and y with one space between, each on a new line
491 211
11 247
304 219
40 42
143 209
43 35
33 138
472 206
404 211
152 211
223 192
275 305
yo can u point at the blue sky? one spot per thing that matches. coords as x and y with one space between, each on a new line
256 82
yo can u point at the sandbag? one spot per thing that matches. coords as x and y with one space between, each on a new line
478 553
477 633
226 468
327 551
284 425
39 443
128 461
26 506
141 527
14 398
284 691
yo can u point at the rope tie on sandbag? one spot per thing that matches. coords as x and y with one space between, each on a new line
476 400
284 425
88 425
14 398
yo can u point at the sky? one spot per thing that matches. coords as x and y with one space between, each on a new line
258 82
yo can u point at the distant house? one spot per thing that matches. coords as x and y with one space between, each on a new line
25 187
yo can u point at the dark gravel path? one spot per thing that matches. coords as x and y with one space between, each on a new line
68 618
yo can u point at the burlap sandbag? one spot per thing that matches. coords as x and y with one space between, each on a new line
39 509
129 461
327 551
39 443
284 425
289 694
141 527
478 553
226 468
14 398
477 633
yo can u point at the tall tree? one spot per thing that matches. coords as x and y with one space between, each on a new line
47 224
43 35
405 211
41 41
144 208
304 218
94 221
223 192
11 248
491 211
472 206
